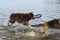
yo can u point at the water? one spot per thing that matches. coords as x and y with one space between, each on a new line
25 34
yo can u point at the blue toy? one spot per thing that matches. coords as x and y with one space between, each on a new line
38 16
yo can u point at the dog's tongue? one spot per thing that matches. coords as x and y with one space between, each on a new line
37 16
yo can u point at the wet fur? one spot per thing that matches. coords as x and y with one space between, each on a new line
50 24
22 18
54 23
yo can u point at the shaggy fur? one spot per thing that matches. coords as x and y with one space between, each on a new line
21 18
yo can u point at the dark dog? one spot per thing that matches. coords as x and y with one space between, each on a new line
21 18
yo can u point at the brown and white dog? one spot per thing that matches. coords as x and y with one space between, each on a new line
22 18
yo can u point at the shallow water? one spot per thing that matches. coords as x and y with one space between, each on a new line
50 34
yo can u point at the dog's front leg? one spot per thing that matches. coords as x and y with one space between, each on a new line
44 28
30 26
10 23
27 24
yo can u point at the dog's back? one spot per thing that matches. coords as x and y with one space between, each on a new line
21 17
54 23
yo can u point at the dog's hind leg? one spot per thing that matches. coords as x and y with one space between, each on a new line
44 27
10 23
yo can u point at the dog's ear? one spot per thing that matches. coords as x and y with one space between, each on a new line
31 13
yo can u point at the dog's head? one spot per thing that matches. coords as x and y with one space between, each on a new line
31 15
